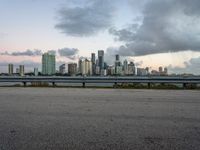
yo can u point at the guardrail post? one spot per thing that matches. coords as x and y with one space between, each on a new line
83 84
184 85
115 85
149 85
24 84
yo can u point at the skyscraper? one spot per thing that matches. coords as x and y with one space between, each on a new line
165 71
117 57
160 69
72 69
36 72
101 59
118 66
48 64
125 67
131 68
93 60
17 70
79 65
21 70
86 66
10 69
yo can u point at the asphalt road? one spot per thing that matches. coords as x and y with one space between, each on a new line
89 119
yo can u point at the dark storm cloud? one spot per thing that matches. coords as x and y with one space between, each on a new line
70 53
86 20
24 53
167 26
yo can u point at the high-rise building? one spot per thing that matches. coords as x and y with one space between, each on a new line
35 71
155 73
97 70
101 59
72 69
147 69
79 65
125 67
86 66
63 69
10 69
21 70
118 66
48 64
17 70
111 70
131 68
142 72
160 69
93 60
118 70
117 57
165 71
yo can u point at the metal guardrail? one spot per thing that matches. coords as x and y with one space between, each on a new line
134 79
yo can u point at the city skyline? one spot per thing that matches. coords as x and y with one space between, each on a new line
31 27
95 66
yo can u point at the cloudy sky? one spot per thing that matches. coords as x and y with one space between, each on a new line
153 33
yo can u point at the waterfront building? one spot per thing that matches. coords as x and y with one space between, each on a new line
72 69
48 64
97 71
131 68
160 72
93 60
117 57
21 70
111 70
63 69
165 71
160 69
147 69
142 72
86 67
101 59
118 66
17 70
155 73
10 69
79 65
103 72
125 67
118 70
35 71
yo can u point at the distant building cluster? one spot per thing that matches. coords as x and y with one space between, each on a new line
96 66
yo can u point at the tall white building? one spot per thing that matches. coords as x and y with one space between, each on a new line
36 72
86 67
21 70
